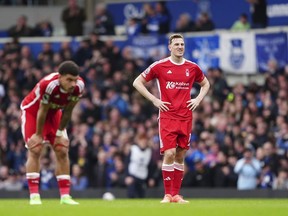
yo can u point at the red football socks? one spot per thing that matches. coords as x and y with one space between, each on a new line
33 180
178 177
64 184
168 177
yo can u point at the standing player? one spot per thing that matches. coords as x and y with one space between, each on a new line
175 76
46 111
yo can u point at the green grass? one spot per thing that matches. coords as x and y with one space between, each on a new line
147 207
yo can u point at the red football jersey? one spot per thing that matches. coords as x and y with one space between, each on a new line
174 82
48 91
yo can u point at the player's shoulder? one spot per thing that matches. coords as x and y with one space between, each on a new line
160 62
189 62
50 80
80 84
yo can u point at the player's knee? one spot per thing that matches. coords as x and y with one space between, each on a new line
35 151
61 150
170 154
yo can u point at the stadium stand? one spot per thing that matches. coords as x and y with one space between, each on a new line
242 110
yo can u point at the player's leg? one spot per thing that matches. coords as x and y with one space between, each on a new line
178 175
28 126
183 141
60 147
168 148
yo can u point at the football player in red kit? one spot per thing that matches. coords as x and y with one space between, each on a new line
175 77
46 111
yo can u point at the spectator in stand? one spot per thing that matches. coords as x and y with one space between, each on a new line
43 29
83 53
164 17
21 29
270 157
139 161
46 55
281 181
185 23
47 177
150 24
118 174
78 180
103 21
66 52
133 27
241 24
73 17
204 23
258 10
248 169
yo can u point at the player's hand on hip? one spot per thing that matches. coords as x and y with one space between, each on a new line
34 140
162 105
193 104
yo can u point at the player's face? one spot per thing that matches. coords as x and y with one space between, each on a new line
177 47
68 82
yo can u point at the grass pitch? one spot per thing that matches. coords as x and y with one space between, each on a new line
147 207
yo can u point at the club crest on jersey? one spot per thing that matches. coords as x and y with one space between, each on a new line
187 72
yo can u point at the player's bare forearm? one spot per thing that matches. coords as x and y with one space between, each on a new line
41 118
205 85
139 85
192 104
66 115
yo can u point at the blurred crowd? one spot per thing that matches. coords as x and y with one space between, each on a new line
240 132
153 18
233 124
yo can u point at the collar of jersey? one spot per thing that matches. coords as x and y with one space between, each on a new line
183 60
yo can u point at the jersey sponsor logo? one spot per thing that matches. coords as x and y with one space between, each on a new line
177 85
169 72
57 96
56 106
73 98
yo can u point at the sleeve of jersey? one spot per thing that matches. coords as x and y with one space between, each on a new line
46 90
79 90
149 73
199 75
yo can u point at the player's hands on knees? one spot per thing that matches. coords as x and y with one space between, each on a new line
162 105
193 104
34 140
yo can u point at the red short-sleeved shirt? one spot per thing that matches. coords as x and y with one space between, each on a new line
174 82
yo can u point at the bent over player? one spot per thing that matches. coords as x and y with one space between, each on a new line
46 111
175 77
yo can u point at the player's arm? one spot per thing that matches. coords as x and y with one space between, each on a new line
194 103
66 115
139 84
37 137
41 118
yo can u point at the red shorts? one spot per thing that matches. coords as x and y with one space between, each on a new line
28 125
174 133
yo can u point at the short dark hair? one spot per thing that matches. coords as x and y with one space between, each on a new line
68 67
173 36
